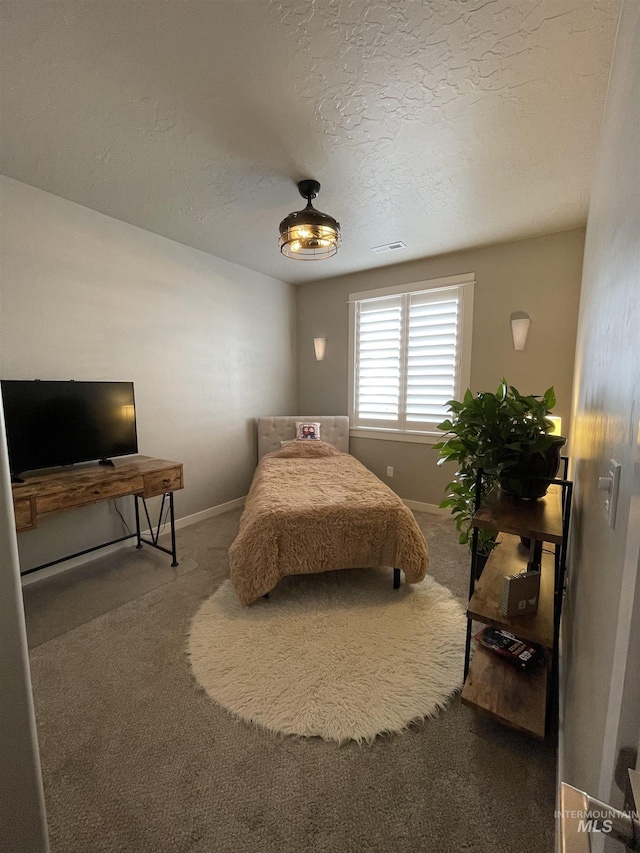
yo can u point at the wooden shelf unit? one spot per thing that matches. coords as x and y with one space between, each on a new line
535 519
510 559
513 698
493 687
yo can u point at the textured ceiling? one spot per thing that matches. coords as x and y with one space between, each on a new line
445 124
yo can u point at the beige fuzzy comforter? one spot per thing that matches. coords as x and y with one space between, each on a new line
311 509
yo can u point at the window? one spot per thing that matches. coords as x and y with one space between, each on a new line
410 354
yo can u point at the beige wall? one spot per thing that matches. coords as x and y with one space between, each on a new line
209 345
540 276
601 653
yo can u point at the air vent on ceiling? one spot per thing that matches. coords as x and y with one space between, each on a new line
389 247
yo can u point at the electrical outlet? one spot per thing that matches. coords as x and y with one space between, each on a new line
389 471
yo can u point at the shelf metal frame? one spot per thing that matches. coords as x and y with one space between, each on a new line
560 566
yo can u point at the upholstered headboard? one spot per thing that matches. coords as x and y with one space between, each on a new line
271 431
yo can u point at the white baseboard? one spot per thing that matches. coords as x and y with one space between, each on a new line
424 507
128 543
209 513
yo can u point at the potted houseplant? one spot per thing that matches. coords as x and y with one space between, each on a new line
505 434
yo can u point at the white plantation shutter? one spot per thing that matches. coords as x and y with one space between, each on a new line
407 358
379 360
432 356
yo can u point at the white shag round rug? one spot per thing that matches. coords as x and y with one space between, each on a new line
341 655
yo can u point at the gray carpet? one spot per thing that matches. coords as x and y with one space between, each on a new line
137 758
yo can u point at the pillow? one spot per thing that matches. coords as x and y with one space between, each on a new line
307 429
304 450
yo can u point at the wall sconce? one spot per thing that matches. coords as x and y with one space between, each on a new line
556 420
520 322
320 346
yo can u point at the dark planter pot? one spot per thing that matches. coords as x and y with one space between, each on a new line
530 478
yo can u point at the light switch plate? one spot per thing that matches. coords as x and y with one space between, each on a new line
611 502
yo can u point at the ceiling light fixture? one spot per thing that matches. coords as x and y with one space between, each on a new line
308 235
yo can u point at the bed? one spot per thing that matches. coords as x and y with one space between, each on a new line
312 507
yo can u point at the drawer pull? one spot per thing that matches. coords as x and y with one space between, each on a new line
166 481
97 492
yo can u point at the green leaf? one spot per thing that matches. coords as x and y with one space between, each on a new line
445 504
550 398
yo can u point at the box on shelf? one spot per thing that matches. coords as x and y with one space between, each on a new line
520 594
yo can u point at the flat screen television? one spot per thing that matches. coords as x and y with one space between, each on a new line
60 423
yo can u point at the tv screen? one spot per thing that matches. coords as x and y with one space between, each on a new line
59 423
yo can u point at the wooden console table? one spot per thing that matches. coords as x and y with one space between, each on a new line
143 477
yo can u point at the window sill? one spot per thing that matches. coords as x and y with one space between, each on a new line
396 435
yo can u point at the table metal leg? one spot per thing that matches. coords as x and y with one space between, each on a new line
173 531
135 503
155 534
